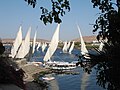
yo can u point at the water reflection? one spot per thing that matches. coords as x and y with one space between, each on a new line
84 81
53 85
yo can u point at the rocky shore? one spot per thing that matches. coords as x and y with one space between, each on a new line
30 69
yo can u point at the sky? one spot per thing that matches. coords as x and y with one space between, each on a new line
14 13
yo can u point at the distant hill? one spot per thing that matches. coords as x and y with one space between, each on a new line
87 39
41 40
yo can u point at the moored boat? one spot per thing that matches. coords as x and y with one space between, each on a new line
48 78
48 63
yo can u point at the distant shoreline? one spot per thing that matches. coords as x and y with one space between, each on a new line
86 39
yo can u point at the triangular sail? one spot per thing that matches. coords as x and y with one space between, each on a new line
16 43
25 47
101 46
38 46
72 47
102 43
68 45
53 45
83 46
44 45
65 47
34 42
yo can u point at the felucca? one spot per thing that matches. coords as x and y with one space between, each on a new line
16 43
51 50
84 51
72 47
25 46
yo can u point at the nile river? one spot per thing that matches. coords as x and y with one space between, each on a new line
81 81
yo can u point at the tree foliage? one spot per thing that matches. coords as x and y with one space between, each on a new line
108 25
8 72
108 21
58 9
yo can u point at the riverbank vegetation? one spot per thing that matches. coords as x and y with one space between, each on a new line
78 45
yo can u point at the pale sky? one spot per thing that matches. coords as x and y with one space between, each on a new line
13 13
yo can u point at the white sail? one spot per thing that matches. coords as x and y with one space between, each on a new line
53 45
83 46
71 48
25 47
38 46
34 43
101 46
44 45
65 47
68 45
16 43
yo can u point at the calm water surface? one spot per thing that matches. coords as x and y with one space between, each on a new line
81 81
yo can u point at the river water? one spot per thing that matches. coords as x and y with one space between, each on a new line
81 81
